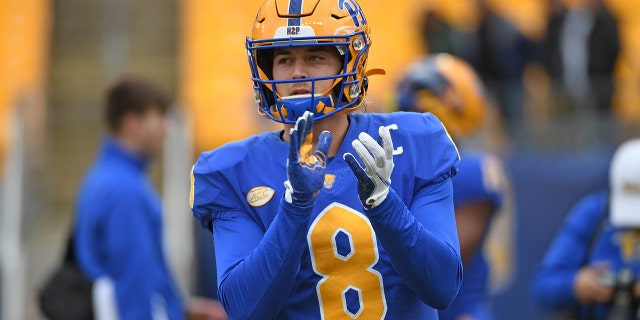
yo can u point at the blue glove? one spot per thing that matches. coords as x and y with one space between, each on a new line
374 182
305 166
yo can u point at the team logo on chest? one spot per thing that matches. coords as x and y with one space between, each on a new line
329 179
259 196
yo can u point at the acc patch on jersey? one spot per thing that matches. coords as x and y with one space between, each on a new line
259 196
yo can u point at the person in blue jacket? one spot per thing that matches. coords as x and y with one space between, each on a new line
592 267
448 87
341 214
118 233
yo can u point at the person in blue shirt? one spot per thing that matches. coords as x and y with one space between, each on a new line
118 233
448 87
341 214
592 267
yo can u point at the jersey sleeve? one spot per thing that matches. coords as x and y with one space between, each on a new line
429 263
203 187
553 280
418 229
437 157
256 266
212 188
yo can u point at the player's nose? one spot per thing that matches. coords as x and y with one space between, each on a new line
300 70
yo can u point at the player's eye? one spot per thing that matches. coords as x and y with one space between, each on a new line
283 60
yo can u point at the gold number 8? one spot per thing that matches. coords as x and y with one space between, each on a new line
349 273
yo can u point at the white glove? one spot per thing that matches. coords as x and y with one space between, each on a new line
374 182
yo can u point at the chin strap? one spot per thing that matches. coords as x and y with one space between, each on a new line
294 107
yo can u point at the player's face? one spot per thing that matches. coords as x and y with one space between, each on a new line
305 62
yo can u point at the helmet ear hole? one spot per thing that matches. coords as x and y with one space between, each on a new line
268 94
265 62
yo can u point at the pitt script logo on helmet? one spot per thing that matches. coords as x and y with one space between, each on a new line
298 23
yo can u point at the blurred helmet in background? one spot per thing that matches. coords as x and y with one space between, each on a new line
449 88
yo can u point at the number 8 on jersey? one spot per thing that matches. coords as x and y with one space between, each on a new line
343 251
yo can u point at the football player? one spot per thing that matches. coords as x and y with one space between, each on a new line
448 87
341 214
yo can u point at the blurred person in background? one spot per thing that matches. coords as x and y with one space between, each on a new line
303 231
579 52
592 268
452 27
448 87
118 233
491 43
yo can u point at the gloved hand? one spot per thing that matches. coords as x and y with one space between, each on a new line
373 183
305 166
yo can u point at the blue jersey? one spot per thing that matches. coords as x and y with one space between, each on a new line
480 178
586 238
399 260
